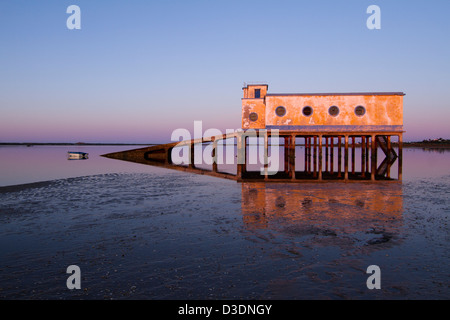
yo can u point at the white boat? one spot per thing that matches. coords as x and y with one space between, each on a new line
74 155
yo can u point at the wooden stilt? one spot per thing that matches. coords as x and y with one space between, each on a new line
245 150
331 155
306 154
214 155
400 156
367 154
309 155
292 156
346 158
375 141
241 146
286 154
373 161
388 168
315 158
191 155
320 157
266 156
339 155
363 156
353 155
326 154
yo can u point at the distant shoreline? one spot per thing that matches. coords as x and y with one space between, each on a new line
424 144
431 145
30 144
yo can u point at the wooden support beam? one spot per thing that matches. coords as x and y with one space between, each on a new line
346 158
286 154
326 154
400 156
214 156
309 155
320 157
241 146
363 156
389 147
292 156
315 158
353 155
192 155
331 155
373 160
266 156
339 155
367 154
306 154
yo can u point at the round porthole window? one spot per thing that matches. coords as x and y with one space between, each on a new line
360 111
307 111
253 116
333 111
280 111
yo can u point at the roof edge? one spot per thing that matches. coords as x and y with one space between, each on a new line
340 94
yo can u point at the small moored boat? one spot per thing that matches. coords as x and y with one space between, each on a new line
74 155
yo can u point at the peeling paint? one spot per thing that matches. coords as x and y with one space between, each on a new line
381 109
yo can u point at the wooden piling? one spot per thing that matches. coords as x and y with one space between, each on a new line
309 155
315 158
286 154
400 156
214 155
326 154
389 147
367 154
346 158
315 165
306 154
373 160
363 156
292 157
353 155
266 156
339 155
320 157
192 156
331 155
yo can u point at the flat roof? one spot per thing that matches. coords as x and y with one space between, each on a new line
256 85
340 94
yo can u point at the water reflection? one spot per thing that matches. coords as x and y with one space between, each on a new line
21 164
347 215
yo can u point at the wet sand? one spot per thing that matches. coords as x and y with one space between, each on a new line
24 186
181 236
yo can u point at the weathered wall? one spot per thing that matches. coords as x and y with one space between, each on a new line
257 106
249 91
380 110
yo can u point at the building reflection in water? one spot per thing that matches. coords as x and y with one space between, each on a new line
353 214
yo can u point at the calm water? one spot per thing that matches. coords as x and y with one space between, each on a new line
140 232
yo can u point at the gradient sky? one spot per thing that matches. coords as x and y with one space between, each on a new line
137 70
